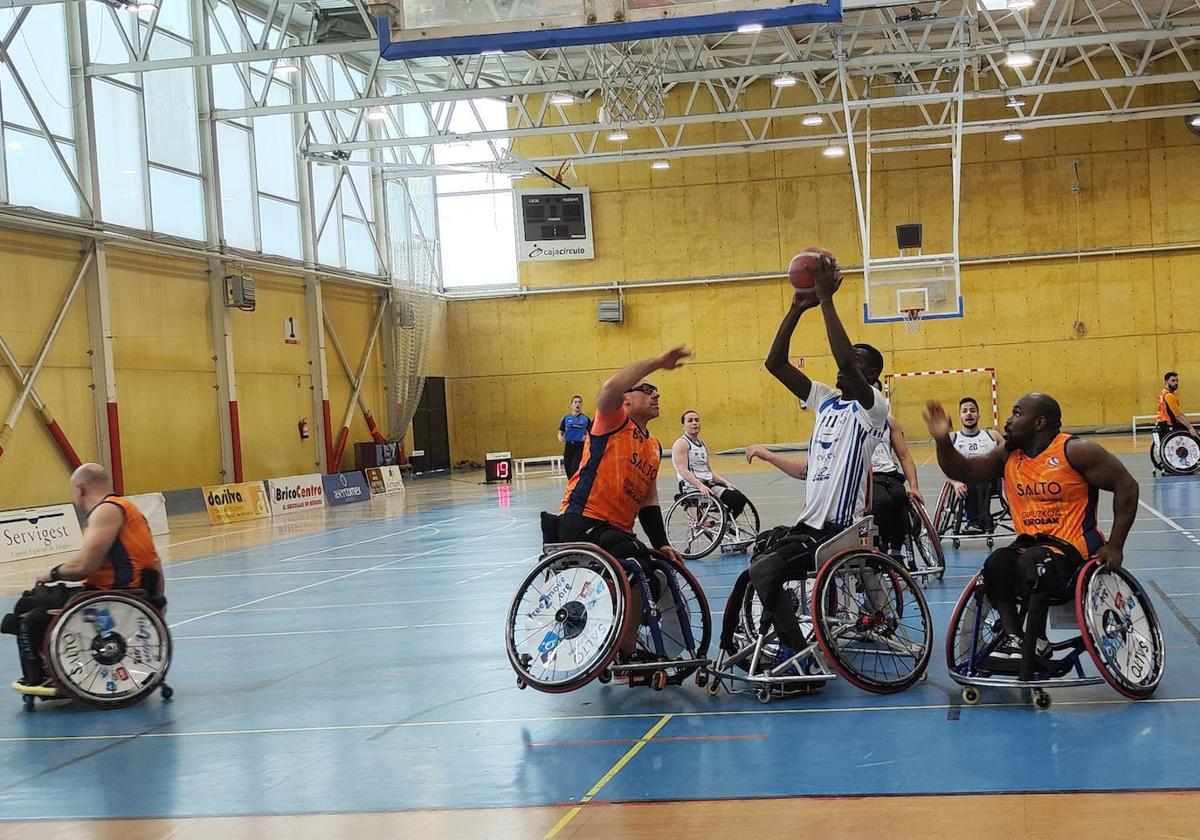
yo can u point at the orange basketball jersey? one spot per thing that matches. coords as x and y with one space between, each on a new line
1168 407
1047 496
618 471
132 551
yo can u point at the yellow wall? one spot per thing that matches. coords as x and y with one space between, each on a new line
165 372
37 272
744 214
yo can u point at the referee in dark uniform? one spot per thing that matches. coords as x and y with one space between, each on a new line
572 432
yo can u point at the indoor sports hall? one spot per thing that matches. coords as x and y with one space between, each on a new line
295 304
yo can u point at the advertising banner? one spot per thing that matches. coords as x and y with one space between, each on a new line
35 532
345 488
296 492
236 502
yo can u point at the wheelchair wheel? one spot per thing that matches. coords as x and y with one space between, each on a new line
696 524
107 649
684 623
1156 463
1180 453
947 513
567 620
1120 630
871 621
925 549
974 632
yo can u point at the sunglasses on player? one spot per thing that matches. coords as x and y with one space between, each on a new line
646 388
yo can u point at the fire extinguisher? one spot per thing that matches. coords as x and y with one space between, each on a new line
303 428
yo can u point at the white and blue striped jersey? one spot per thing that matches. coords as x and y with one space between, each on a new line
844 438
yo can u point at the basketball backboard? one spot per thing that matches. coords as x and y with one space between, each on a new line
415 28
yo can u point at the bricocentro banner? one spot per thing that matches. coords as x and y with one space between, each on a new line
295 492
345 488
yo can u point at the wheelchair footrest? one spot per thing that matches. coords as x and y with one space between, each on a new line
34 690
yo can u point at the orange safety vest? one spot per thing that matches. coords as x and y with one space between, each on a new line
619 469
1047 496
132 552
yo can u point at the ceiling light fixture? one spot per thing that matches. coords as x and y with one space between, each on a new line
812 120
784 80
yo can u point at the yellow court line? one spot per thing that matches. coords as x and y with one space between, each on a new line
607 777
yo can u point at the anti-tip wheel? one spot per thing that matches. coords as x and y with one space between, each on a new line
1041 700
990 542
954 543
521 684
970 696
714 687
659 681
166 691
764 695
29 702
924 676
605 676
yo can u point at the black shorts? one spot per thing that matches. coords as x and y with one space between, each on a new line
1015 571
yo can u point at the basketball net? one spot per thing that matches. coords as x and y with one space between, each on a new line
912 319
631 80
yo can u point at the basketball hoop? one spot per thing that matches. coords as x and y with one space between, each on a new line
631 80
912 319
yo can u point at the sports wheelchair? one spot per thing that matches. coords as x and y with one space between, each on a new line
864 616
572 612
1104 617
1175 453
697 524
922 549
950 512
105 648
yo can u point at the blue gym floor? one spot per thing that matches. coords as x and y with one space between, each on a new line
362 668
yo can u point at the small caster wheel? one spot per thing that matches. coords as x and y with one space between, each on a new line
29 702
970 695
605 676
924 676
764 695
1041 700
701 678
714 687
990 542
659 680
521 684
166 691
954 543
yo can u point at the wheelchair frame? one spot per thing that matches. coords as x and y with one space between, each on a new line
655 667
1001 519
108 648
972 673
699 501
816 660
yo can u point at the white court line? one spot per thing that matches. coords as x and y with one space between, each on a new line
357 605
419 724
499 569
442 568
1194 539
504 527
315 552
333 630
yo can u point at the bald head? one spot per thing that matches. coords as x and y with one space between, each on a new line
1044 405
92 477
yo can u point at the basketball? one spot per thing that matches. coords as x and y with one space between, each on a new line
802 268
